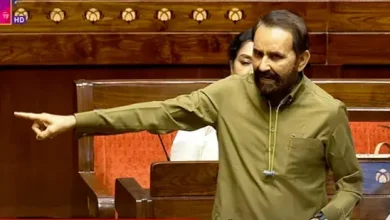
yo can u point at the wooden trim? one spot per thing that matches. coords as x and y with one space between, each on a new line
84 95
140 82
127 48
131 200
85 144
359 16
358 48
100 202
364 158
369 114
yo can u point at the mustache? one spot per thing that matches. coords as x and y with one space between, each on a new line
267 74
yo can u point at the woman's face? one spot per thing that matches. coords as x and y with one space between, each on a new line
243 62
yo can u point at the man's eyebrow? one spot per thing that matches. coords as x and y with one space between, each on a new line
277 53
270 52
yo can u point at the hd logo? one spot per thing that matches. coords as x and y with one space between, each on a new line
20 16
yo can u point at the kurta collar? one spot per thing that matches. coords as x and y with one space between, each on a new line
293 94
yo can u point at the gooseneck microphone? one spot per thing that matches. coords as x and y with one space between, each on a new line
163 146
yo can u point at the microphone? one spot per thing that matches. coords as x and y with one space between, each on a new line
163 146
269 173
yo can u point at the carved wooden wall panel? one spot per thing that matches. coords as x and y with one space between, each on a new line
79 16
82 29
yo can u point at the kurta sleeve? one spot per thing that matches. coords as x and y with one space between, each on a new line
185 112
347 174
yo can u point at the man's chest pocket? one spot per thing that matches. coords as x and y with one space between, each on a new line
305 155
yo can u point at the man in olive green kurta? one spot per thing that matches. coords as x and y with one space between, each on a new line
278 133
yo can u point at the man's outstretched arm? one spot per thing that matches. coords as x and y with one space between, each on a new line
185 112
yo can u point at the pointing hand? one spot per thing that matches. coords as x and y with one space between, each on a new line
47 126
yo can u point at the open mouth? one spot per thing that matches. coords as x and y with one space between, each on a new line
267 79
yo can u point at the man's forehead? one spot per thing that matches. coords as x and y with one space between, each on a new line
272 38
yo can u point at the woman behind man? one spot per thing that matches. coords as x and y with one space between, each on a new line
202 144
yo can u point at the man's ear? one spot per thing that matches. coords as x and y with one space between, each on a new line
303 60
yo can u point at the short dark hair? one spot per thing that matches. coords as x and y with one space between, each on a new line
236 44
290 22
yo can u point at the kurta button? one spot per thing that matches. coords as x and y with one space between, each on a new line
272 130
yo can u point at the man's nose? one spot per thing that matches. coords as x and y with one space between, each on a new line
264 64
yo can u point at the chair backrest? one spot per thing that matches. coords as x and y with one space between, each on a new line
188 186
98 94
367 100
183 178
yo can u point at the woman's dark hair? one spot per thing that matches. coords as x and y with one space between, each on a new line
236 44
290 22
